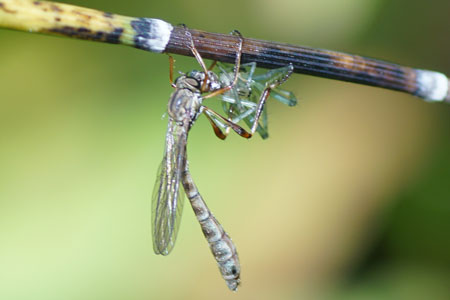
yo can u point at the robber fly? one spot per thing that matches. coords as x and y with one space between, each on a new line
184 107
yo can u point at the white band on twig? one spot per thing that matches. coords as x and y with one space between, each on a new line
152 34
432 86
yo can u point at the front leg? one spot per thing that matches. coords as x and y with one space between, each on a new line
237 64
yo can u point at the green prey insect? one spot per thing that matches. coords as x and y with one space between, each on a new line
247 99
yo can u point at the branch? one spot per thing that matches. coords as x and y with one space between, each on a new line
155 35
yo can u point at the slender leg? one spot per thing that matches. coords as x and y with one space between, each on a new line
238 129
198 58
195 52
213 64
171 61
265 94
216 128
217 131
237 64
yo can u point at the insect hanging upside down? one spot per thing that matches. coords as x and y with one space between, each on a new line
184 107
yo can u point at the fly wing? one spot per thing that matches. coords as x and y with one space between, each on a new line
167 200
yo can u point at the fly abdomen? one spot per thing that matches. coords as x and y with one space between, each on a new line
231 271
220 243
223 249
212 230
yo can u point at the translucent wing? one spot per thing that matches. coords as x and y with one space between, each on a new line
167 201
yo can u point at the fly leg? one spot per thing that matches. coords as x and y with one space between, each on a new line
214 117
200 60
171 63
266 93
237 64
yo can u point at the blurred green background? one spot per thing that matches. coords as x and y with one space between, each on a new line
347 199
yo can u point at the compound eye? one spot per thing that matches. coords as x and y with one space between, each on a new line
192 82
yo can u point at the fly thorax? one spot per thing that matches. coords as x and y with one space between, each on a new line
195 108
213 83
184 105
210 83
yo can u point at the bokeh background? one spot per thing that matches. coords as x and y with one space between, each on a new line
349 198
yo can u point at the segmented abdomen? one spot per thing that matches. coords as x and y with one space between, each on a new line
220 243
